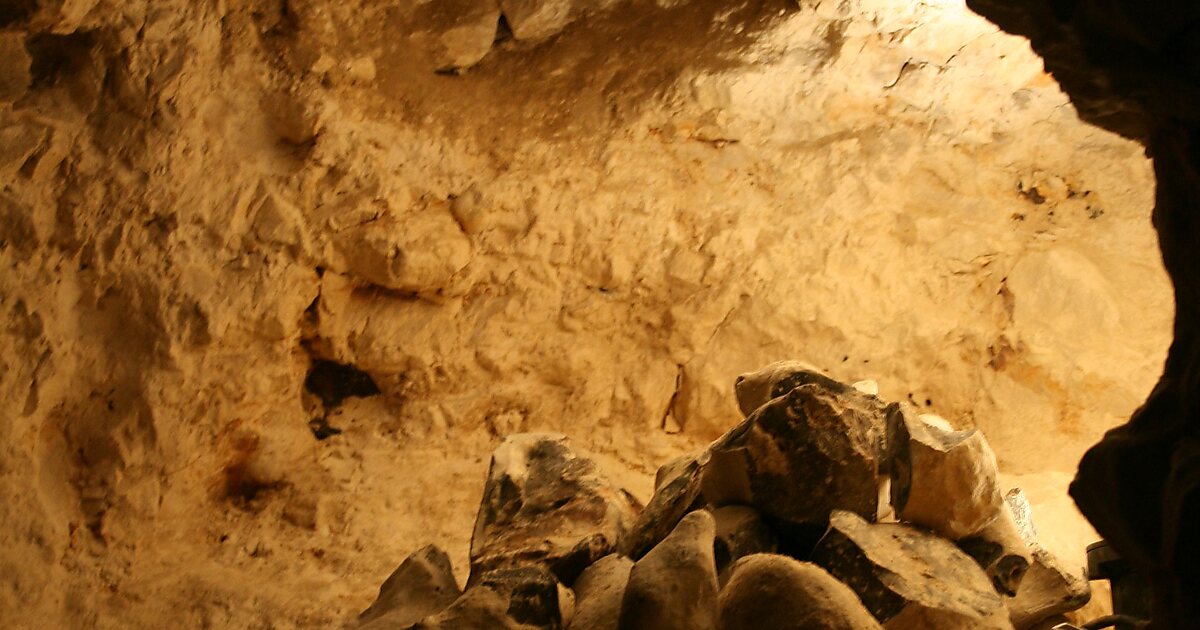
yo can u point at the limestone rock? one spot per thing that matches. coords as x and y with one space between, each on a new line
462 30
416 253
1000 551
772 592
740 532
1049 588
598 593
14 67
674 586
811 450
422 585
943 480
522 598
677 493
909 578
545 505
535 20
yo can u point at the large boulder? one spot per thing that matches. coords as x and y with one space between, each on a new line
772 592
674 586
908 578
421 586
599 592
809 451
1050 588
755 389
544 505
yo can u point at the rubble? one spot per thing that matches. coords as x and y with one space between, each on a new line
771 526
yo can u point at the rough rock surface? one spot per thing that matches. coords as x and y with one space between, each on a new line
944 480
507 599
908 578
808 452
677 492
421 586
1049 588
545 505
599 592
674 586
1001 551
779 593
657 200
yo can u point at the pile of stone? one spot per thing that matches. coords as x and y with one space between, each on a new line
826 507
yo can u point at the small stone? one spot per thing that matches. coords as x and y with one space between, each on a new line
868 387
535 20
544 505
677 494
772 592
809 451
674 586
1049 589
422 585
943 480
14 67
598 593
740 532
516 599
909 578
1001 551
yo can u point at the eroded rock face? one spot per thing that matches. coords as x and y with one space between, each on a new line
778 592
421 586
544 505
909 578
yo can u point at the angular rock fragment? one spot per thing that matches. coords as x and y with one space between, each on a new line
421 586
909 578
544 505
534 20
507 599
1049 589
809 451
464 31
772 592
943 480
598 593
1001 551
740 532
674 586
677 493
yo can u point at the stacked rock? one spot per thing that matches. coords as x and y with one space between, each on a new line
826 507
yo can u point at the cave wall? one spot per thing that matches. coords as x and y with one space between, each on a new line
589 221
1134 68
